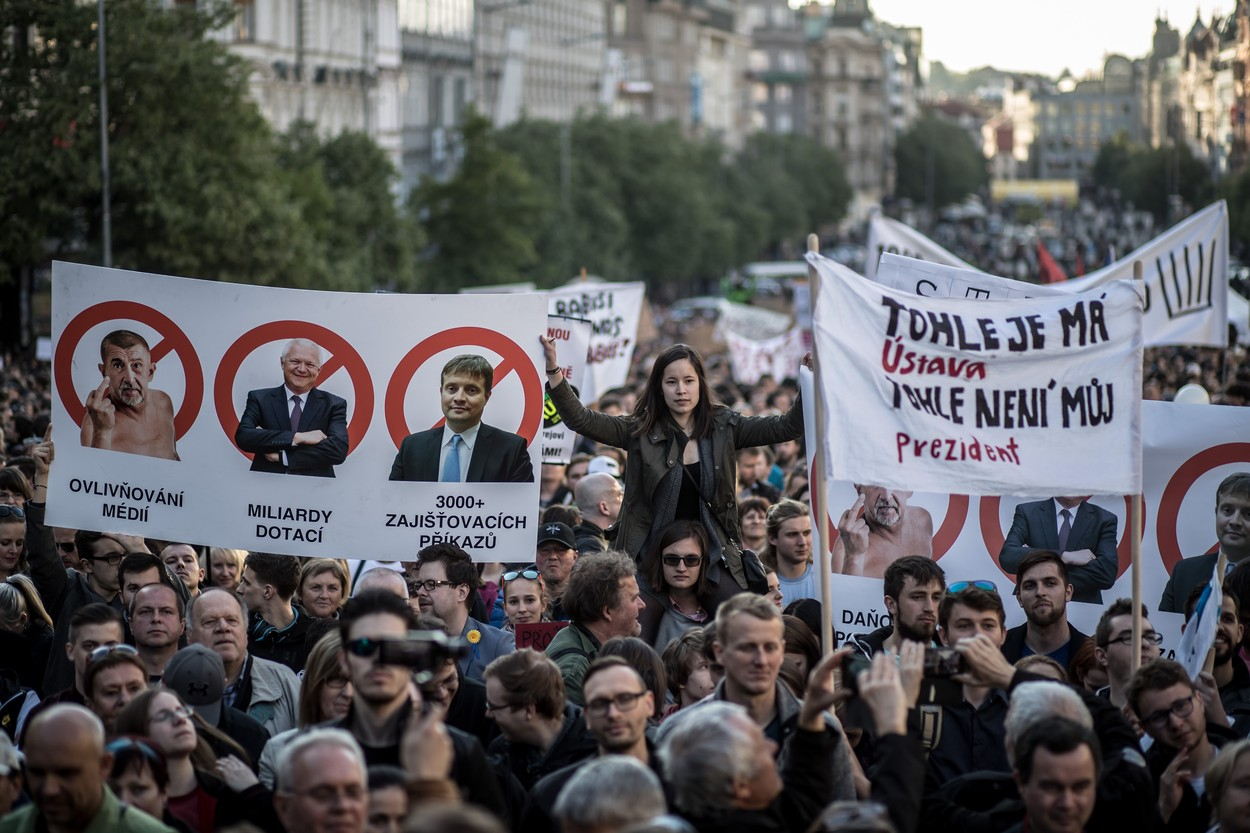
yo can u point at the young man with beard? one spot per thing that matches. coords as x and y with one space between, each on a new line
914 587
1230 673
1043 590
1186 742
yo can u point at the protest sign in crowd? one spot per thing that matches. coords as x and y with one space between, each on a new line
493 563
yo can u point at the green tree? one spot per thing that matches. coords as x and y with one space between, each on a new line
193 183
933 147
481 222
1111 166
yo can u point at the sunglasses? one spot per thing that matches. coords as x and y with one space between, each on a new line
981 584
104 650
365 646
672 560
513 575
67 546
7 511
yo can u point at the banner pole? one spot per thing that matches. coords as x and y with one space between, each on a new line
1135 539
816 447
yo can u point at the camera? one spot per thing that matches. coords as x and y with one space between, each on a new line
939 662
422 651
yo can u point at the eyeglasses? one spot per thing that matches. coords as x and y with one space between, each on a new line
168 715
497 707
429 584
513 575
672 560
1181 708
1147 638
111 560
104 650
7 511
981 584
624 703
339 683
66 546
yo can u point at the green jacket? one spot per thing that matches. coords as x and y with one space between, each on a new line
572 650
652 456
112 817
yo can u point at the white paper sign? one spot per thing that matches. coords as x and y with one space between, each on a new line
572 336
614 310
778 357
1185 271
1037 396
214 346
888 236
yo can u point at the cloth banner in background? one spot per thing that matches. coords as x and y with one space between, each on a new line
1032 396
1187 451
572 337
778 357
1185 271
886 235
216 348
614 310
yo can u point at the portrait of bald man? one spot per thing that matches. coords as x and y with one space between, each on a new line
295 428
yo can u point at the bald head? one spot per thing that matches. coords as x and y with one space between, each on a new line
598 497
383 578
66 766
66 719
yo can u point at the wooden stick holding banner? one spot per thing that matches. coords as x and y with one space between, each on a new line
1135 546
816 447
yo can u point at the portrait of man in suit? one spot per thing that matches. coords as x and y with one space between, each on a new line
1232 529
465 449
295 428
1082 533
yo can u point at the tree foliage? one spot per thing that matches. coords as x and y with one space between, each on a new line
1149 177
936 150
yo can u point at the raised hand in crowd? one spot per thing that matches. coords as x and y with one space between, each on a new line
985 661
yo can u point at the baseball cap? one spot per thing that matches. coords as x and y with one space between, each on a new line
604 464
197 675
557 532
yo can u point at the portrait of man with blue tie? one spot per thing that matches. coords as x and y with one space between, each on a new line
1082 533
295 428
465 449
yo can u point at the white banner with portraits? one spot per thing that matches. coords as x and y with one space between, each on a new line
614 310
1030 396
172 416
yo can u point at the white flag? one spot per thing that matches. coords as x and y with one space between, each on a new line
1199 634
890 236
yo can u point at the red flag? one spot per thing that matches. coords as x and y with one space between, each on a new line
1048 271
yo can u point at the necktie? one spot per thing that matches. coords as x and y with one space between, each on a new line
451 467
1065 529
296 413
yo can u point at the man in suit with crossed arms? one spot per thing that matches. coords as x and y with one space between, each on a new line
465 450
1083 534
295 428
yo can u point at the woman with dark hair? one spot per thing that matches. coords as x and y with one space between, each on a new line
682 448
753 516
140 778
205 793
802 646
15 488
673 583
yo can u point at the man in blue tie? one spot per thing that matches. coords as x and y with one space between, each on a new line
295 428
465 449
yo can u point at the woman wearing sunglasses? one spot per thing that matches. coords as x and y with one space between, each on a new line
673 582
682 449
205 792
525 599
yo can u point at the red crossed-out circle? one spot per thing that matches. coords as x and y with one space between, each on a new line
514 358
342 354
992 533
173 340
1180 484
946 535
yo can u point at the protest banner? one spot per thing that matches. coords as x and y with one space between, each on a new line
1187 451
1186 280
190 450
1033 396
572 336
778 357
614 310
886 235
537 635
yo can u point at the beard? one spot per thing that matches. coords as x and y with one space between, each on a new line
1047 616
919 632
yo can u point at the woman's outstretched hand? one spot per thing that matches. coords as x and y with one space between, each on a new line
549 350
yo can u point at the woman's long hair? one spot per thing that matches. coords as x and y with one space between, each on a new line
18 596
133 720
653 563
651 410
322 665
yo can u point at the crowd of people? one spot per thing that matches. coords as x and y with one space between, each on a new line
168 685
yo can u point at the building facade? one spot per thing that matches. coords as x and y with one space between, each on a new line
1074 120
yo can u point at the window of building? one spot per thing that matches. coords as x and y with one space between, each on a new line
663 27
786 61
245 22
757 17
759 93
758 60
783 93
785 123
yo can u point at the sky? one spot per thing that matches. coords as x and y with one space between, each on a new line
1043 37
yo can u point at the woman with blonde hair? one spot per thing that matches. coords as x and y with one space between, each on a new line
323 587
325 694
224 568
25 631
1228 789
